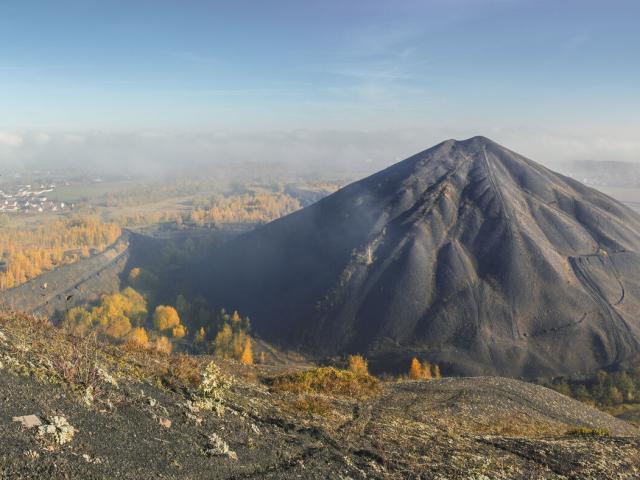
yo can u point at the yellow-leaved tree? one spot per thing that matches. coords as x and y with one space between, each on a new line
247 353
137 337
423 371
223 341
415 370
358 365
162 345
165 318
178 332
426 371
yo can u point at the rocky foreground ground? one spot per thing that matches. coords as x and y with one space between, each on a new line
73 408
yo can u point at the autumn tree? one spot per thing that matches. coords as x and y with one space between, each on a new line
201 336
79 321
358 365
142 279
426 370
223 341
118 327
162 344
165 318
232 336
415 370
247 354
138 337
183 307
420 371
134 306
178 332
235 320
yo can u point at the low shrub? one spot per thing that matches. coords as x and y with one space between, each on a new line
182 370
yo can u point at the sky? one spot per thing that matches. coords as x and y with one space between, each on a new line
169 81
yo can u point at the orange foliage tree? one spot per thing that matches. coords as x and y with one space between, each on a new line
358 365
415 370
138 337
247 354
162 345
165 318
423 371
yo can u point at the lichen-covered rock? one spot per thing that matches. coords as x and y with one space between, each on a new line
211 391
218 447
59 429
106 377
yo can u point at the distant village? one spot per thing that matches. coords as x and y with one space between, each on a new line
30 199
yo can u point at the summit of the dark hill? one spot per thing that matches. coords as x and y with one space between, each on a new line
467 254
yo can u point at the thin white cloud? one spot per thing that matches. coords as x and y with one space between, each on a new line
295 152
10 139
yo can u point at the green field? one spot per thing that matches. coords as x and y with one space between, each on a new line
70 193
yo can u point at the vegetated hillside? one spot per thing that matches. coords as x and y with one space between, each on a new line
467 254
75 408
54 292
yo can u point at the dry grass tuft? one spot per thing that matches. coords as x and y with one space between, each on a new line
588 432
329 381
182 371
312 405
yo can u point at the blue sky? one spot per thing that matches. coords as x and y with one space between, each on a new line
503 67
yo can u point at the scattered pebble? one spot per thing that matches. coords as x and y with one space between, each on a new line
28 421
95 460
165 422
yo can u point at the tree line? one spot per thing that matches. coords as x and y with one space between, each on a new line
28 252
251 207
603 389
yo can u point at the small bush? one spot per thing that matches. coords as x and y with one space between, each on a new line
327 380
588 432
182 370
76 363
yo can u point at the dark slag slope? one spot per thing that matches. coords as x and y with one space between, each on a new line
467 254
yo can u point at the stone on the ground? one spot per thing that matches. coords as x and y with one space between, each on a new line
28 421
